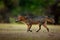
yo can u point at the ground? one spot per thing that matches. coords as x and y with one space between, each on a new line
18 32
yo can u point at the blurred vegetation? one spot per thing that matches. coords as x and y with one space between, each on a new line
19 6
12 8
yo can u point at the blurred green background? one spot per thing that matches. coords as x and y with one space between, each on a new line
9 9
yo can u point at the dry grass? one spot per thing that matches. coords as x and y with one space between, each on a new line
18 32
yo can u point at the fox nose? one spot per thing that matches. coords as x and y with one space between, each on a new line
16 20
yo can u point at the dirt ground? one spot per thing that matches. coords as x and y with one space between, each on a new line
18 32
